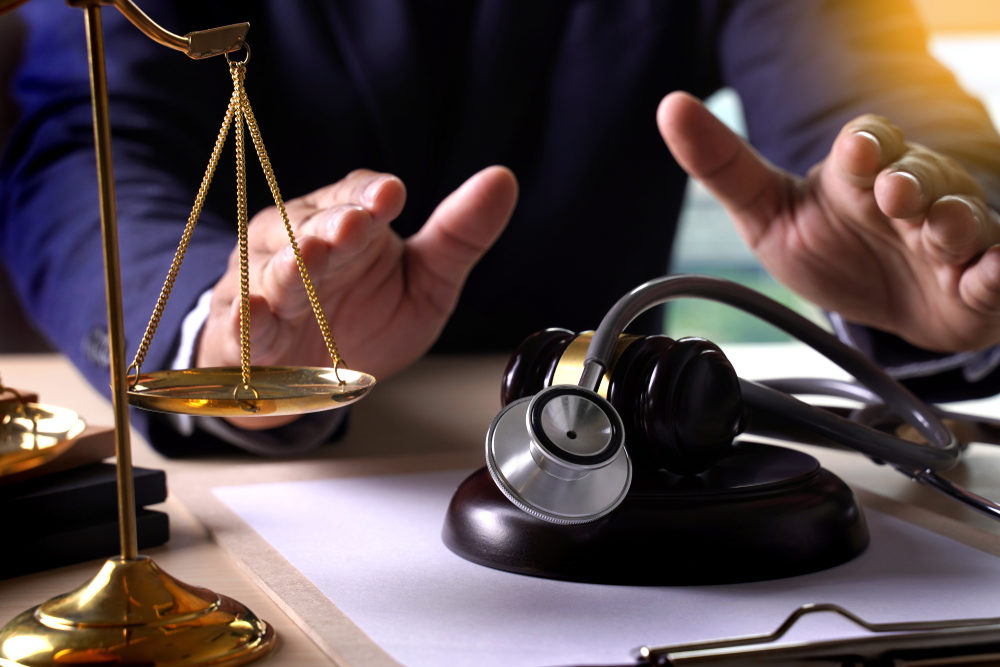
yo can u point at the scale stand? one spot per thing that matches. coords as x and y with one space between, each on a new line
132 612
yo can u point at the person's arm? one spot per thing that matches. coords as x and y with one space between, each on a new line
907 259
51 234
386 299
805 69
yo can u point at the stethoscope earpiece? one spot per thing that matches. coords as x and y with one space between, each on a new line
560 455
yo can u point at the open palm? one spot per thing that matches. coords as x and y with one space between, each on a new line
386 298
883 231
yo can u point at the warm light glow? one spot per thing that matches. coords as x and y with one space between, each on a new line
19 647
960 15
97 584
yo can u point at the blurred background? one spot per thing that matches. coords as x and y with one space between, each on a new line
965 34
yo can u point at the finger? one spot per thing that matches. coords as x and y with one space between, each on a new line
281 282
979 285
381 195
219 341
344 228
919 177
459 232
267 344
864 147
712 153
337 237
228 286
957 229
227 338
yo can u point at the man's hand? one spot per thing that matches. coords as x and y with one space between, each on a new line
386 299
883 231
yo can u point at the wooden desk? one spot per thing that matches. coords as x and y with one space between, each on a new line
437 412
432 416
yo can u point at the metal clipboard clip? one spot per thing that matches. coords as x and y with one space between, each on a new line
923 643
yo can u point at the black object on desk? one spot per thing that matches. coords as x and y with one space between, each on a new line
72 516
702 508
763 513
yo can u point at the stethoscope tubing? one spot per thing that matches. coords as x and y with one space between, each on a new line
869 441
918 461
874 410
942 449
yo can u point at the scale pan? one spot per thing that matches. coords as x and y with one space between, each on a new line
32 434
277 390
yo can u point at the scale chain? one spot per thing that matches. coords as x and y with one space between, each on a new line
237 73
272 183
237 113
175 265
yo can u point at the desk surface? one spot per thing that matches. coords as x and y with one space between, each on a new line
430 417
399 421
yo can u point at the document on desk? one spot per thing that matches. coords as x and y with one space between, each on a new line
372 545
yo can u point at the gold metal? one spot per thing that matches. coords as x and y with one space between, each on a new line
216 41
257 391
134 613
131 613
272 183
197 45
242 223
569 368
276 390
32 434
175 265
112 278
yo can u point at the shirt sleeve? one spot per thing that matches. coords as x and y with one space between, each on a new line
166 110
51 236
803 70
933 376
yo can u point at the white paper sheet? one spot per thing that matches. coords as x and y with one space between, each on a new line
373 547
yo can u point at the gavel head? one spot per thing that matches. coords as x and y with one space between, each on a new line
679 400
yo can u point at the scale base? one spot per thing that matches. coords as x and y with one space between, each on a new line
134 613
765 512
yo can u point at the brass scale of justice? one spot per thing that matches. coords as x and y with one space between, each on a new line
132 612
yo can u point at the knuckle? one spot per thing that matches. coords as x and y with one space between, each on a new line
356 174
990 271
878 125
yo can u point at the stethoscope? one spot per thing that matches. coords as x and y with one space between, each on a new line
560 455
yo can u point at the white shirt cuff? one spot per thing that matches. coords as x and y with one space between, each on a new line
975 365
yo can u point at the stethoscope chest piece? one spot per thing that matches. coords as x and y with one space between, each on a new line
560 455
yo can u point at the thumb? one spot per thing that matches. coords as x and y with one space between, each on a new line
464 226
747 185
